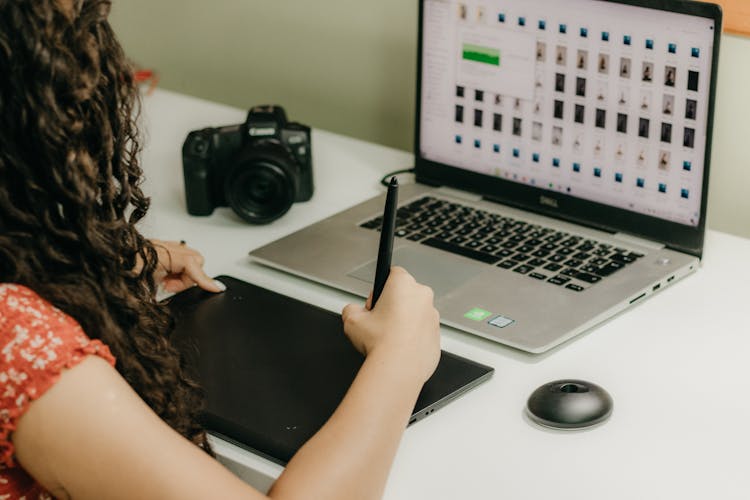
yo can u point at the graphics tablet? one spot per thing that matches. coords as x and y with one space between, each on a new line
274 368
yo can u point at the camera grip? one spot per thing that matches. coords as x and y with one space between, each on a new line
197 190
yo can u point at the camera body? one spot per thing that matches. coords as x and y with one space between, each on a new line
258 168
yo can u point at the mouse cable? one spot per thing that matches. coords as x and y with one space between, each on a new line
386 177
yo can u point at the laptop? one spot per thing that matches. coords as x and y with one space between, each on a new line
562 155
274 368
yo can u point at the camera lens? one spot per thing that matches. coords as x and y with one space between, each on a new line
260 191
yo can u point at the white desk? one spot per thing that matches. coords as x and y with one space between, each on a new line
677 366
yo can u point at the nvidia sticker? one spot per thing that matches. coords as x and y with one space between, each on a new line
477 314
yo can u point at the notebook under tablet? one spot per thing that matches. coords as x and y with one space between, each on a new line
274 368
562 153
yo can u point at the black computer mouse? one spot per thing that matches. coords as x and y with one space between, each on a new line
569 404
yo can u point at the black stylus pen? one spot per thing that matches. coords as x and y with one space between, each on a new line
385 250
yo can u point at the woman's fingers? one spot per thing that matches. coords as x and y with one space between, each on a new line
195 273
182 268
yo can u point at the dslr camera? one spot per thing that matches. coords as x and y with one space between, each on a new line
258 168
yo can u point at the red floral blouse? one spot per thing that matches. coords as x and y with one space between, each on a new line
37 342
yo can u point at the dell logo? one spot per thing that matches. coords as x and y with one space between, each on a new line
550 202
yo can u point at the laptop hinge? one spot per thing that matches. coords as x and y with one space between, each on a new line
629 238
455 193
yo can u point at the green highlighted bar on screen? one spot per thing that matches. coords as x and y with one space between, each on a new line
480 54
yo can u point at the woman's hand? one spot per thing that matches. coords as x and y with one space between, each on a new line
181 267
404 325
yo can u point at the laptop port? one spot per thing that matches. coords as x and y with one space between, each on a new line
656 287
638 298
670 279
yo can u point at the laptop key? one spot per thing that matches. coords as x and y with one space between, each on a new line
459 250
458 240
537 262
588 278
401 233
521 257
538 276
541 253
622 258
574 287
610 268
557 258
505 252
582 256
416 237
558 280
473 244
565 251
524 269
507 264
589 269
553 267
573 263
569 272
525 249
489 248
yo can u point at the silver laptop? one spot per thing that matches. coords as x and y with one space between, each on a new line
562 154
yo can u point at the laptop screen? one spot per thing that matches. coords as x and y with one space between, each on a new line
597 100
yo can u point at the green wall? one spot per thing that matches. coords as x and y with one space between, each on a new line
349 66
342 65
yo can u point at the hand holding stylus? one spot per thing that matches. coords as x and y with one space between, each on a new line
405 326
404 330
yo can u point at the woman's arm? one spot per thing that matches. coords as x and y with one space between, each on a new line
350 457
91 436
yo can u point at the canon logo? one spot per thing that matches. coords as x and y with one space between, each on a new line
550 202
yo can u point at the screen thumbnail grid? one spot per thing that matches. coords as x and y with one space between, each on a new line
598 100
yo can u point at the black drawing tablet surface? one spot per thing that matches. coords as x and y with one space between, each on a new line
274 368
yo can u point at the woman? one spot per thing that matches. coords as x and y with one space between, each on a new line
93 400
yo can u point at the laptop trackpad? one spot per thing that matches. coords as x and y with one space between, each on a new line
444 273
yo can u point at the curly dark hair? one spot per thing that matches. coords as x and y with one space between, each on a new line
70 193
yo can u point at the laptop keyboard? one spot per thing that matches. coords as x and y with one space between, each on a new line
541 253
